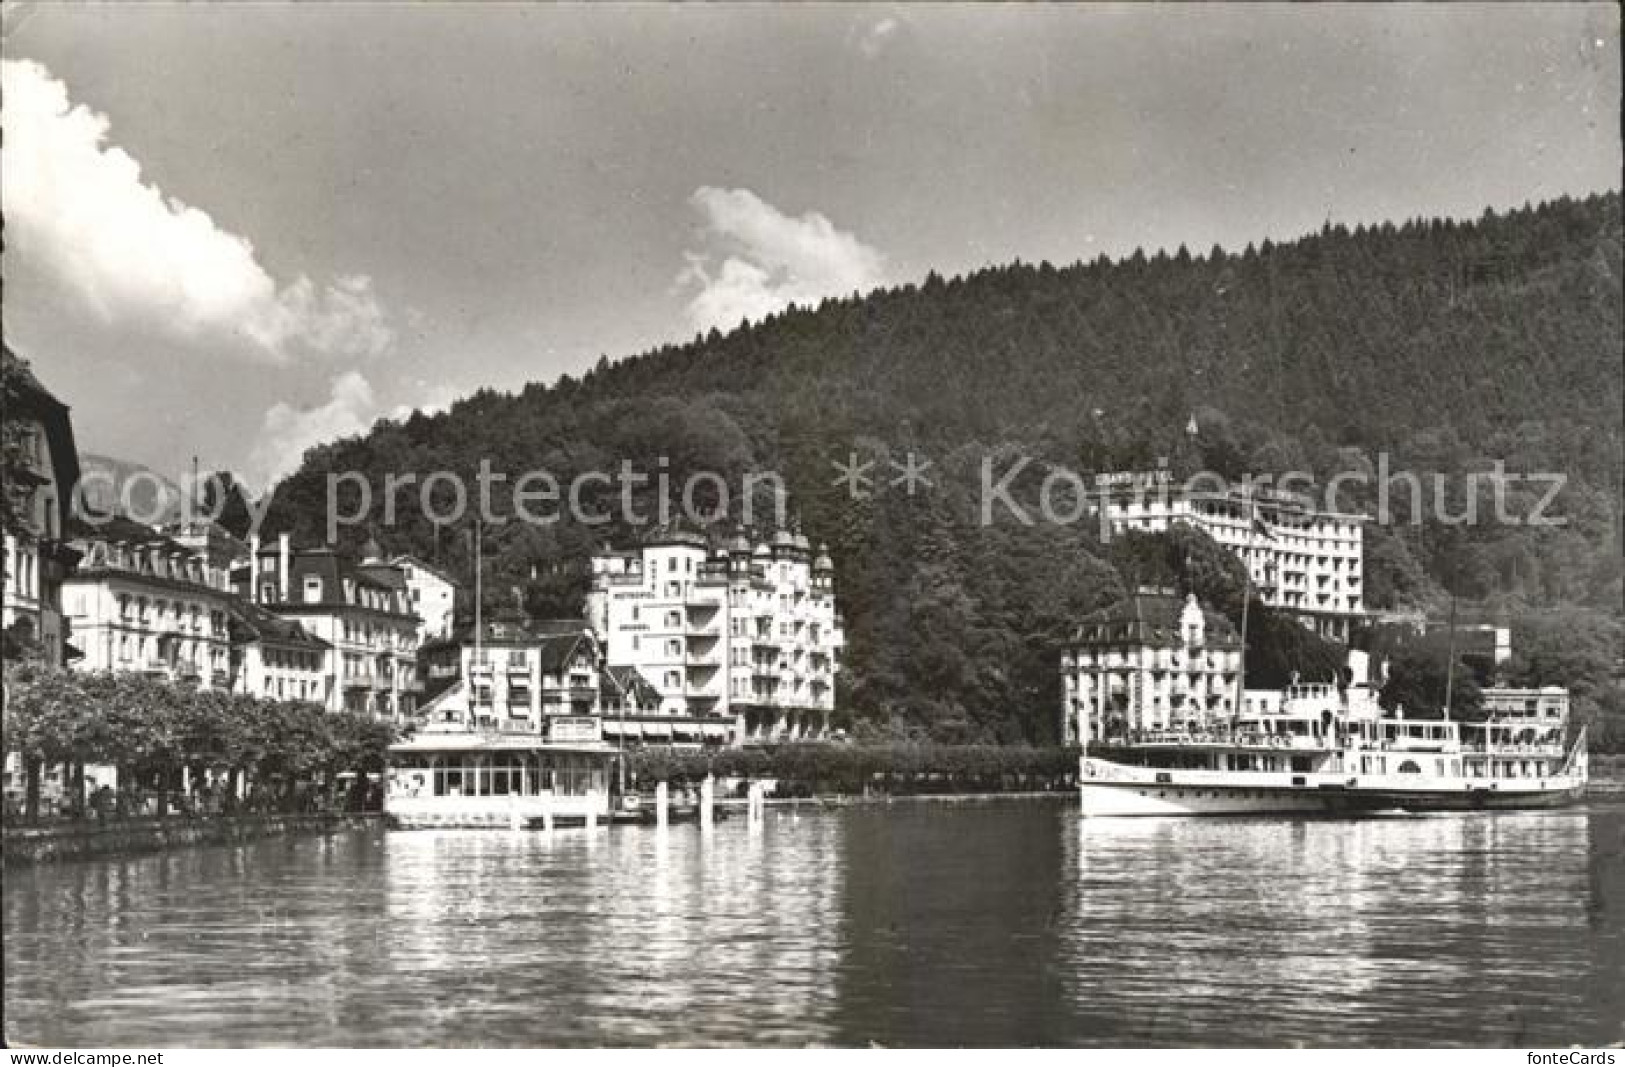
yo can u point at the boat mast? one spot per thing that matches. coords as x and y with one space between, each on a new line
1450 660
479 566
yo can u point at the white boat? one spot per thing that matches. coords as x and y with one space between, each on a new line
1330 750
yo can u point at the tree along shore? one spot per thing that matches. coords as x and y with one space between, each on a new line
896 768
180 748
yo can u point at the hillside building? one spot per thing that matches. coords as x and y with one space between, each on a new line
1301 560
738 634
1151 662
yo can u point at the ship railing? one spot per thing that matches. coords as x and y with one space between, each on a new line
1225 737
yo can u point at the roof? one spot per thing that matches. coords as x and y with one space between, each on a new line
250 623
438 572
556 651
386 575
490 742
333 569
628 680
675 535
116 529
1151 617
28 395
511 630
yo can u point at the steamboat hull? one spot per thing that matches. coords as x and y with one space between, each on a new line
1142 799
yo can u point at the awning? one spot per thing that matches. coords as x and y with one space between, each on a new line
656 729
685 729
716 731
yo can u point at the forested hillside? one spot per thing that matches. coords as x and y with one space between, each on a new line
1432 346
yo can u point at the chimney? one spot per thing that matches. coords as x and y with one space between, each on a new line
286 553
254 568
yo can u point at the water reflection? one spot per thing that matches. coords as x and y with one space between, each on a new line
1435 930
1004 923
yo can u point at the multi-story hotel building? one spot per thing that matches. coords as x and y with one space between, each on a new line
360 610
1150 662
41 471
141 601
274 658
1301 560
739 634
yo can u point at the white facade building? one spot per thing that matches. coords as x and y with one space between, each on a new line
359 610
1303 561
45 470
431 594
142 602
1539 710
1151 663
738 633
541 680
275 659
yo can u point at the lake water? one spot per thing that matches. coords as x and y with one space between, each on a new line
1004 922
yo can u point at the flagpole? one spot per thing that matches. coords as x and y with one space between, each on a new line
1246 602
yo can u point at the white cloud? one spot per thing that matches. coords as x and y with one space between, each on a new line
874 39
769 260
436 400
77 208
287 431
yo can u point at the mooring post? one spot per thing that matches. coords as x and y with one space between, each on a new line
707 793
757 804
660 805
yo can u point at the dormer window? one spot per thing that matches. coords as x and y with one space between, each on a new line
313 589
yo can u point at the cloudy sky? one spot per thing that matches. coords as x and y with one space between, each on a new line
234 231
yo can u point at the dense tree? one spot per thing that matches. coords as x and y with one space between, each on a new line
154 731
225 498
1408 358
1418 682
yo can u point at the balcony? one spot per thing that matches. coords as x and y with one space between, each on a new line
517 725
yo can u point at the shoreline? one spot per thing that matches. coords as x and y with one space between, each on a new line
24 846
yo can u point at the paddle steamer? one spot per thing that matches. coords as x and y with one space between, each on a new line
1329 749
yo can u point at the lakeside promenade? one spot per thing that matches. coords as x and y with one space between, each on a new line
68 838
